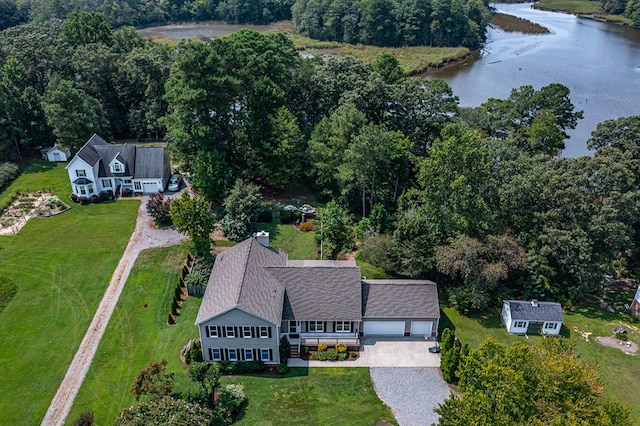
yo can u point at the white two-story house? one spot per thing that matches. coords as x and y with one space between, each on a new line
113 168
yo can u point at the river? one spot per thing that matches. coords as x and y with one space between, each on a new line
599 62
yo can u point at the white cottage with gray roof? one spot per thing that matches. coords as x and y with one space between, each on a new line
256 295
532 317
103 167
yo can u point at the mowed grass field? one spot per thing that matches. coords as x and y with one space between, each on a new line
618 370
61 265
137 335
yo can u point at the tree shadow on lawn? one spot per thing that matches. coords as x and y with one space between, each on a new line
591 311
38 166
445 322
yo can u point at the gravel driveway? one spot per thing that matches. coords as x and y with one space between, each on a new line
145 235
411 393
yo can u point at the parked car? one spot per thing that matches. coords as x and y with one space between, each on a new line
174 183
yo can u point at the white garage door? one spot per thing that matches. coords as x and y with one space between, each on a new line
421 327
387 328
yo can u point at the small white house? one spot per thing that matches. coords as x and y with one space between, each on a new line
56 153
532 317
102 167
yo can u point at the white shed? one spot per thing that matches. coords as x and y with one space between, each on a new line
532 317
56 153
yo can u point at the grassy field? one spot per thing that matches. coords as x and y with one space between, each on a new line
618 370
61 266
315 396
581 7
137 335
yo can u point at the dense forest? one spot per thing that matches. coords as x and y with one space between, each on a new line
477 198
147 12
394 22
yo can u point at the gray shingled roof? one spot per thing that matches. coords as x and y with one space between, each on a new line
150 162
545 311
88 152
126 154
321 293
400 299
238 280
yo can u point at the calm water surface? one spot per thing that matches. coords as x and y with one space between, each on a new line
599 62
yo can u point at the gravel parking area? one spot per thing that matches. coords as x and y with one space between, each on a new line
411 393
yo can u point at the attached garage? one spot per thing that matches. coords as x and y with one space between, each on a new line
421 328
384 328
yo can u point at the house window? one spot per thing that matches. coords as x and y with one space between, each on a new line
83 191
248 354
81 173
264 332
230 331
137 186
90 189
343 326
215 354
292 327
117 168
106 183
246 332
128 181
212 331
317 326
551 325
233 355
265 355
519 324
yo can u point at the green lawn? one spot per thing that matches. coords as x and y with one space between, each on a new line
315 396
581 7
137 335
297 244
618 370
61 265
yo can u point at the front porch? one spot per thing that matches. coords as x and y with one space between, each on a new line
297 341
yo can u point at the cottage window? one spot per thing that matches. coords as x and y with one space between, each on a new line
343 326
551 325
248 354
264 332
317 326
233 355
81 173
519 324
230 331
265 355
215 354
106 183
212 331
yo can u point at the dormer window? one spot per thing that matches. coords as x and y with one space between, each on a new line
116 167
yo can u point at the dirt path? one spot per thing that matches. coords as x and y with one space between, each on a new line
144 236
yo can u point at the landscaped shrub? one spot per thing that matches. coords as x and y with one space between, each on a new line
265 216
85 419
159 209
230 402
342 356
283 368
284 349
243 367
197 277
286 216
305 350
322 347
8 172
194 354
341 348
94 199
354 354
306 226
328 355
